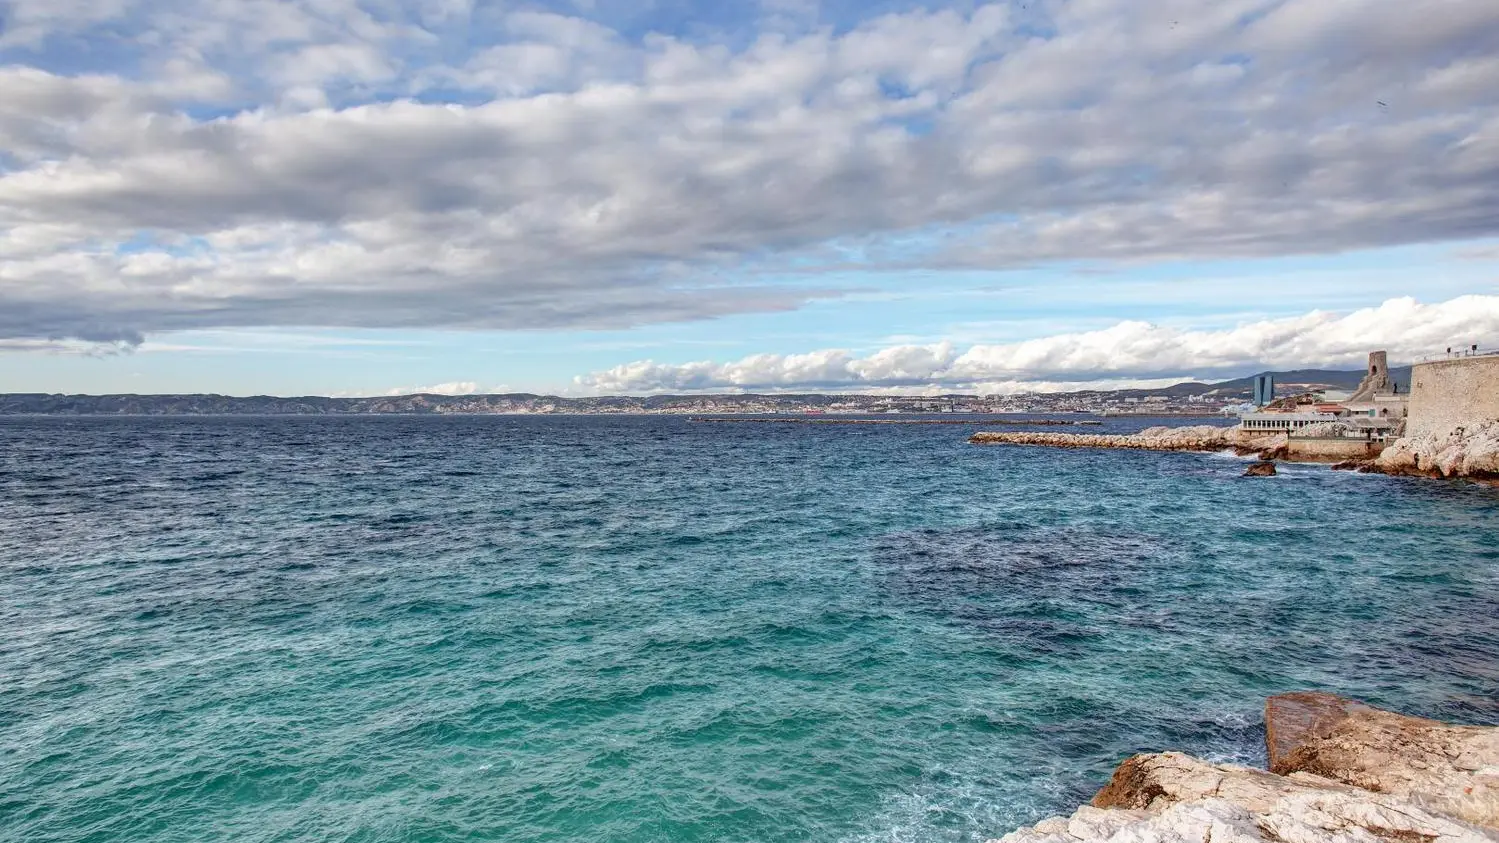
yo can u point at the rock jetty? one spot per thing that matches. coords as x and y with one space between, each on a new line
1341 772
1192 438
1470 453
826 420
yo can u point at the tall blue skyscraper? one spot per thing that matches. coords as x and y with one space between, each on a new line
1264 390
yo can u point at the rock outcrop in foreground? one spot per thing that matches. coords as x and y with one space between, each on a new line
1340 772
1193 438
1464 452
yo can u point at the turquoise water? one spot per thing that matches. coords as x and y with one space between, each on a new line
640 629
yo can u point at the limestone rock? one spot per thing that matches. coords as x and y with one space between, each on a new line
1263 468
1212 820
1464 452
1292 720
1341 772
1447 768
1171 797
1154 781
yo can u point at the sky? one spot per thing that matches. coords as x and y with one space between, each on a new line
365 197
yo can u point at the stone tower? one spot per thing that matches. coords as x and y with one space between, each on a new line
1376 380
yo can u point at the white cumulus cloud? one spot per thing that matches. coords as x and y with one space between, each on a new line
449 388
1125 354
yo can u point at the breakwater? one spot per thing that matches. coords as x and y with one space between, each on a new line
1193 438
1339 771
970 422
1465 453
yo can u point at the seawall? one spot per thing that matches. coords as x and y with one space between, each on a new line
1449 394
1452 423
1331 449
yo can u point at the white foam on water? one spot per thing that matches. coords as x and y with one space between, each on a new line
961 810
1247 749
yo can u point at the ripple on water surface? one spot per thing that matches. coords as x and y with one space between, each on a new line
412 629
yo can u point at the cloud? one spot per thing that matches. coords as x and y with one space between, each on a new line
1127 353
450 388
67 347
435 164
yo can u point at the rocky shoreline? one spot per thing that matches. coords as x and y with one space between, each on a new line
1340 772
1469 454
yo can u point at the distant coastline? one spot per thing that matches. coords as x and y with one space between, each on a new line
787 407
1187 399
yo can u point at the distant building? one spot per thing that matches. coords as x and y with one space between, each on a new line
1377 396
1264 390
1283 422
1375 412
1376 380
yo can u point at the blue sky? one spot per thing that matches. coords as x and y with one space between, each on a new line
366 196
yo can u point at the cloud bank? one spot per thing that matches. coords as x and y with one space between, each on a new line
1126 354
449 388
446 164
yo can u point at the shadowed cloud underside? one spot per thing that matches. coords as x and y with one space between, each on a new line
462 165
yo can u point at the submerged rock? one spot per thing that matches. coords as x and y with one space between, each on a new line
1263 468
1343 772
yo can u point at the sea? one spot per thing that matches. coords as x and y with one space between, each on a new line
372 629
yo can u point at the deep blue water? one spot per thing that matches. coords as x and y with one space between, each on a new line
642 629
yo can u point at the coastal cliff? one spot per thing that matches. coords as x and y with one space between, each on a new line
1193 438
1464 452
1340 771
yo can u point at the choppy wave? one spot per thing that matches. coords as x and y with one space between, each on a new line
642 629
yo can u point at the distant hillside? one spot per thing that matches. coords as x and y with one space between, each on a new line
1329 378
314 405
225 405
1321 377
